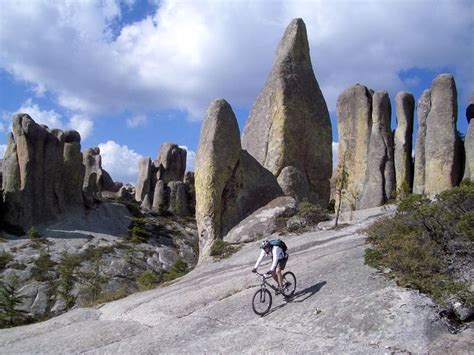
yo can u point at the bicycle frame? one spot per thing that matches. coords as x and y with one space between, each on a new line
264 282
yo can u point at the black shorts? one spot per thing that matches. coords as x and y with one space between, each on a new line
282 262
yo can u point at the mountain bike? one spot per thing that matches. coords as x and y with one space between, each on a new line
262 299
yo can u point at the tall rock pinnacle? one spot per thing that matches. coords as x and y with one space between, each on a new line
289 129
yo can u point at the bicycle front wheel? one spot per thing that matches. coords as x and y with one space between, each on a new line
289 284
262 301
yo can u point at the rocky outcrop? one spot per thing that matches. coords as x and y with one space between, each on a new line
41 172
405 106
380 174
171 163
160 187
230 184
354 118
469 141
443 153
424 107
289 130
92 186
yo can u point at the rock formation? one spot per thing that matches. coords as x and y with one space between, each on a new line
443 149
469 141
230 183
92 186
354 118
289 130
380 175
405 106
160 187
171 163
424 107
41 172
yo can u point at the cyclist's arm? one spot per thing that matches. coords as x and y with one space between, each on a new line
260 258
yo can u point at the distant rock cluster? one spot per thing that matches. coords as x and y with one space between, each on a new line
44 174
379 163
285 147
162 185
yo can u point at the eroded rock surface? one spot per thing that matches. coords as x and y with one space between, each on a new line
423 109
469 141
289 130
405 107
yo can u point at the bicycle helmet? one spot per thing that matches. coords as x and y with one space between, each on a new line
265 244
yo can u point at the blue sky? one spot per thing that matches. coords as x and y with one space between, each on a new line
132 74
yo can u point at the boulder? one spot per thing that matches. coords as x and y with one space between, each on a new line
442 143
144 179
380 175
92 185
74 169
354 118
160 197
230 184
171 163
405 106
178 200
469 141
263 222
108 184
424 107
218 154
289 124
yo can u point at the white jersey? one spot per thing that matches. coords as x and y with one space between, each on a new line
277 254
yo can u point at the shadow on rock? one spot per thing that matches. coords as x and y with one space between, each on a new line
300 296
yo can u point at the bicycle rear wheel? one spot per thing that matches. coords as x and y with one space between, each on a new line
289 284
262 301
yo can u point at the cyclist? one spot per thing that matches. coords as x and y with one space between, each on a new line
279 257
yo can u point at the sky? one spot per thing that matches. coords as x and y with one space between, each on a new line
130 75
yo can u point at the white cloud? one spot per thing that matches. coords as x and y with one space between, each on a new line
190 158
137 121
188 53
82 124
50 118
120 161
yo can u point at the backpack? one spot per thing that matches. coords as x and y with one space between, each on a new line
278 243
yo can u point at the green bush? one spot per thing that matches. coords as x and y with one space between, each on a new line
427 243
5 258
33 233
67 279
43 265
147 280
178 269
10 302
313 214
221 249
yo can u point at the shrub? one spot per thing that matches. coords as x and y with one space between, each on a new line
33 233
178 269
92 282
5 258
10 301
67 278
427 243
313 214
222 250
147 280
137 232
43 265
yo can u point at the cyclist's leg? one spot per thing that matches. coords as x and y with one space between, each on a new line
279 279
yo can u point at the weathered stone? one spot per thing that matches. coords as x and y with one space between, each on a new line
354 117
380 176
73 169
146 203
92 185
144 179
178 200
289 123
442 144
171 163
53 180
263 222
218 153
160 197
469 141
405 106
424 107
11 182
250 187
